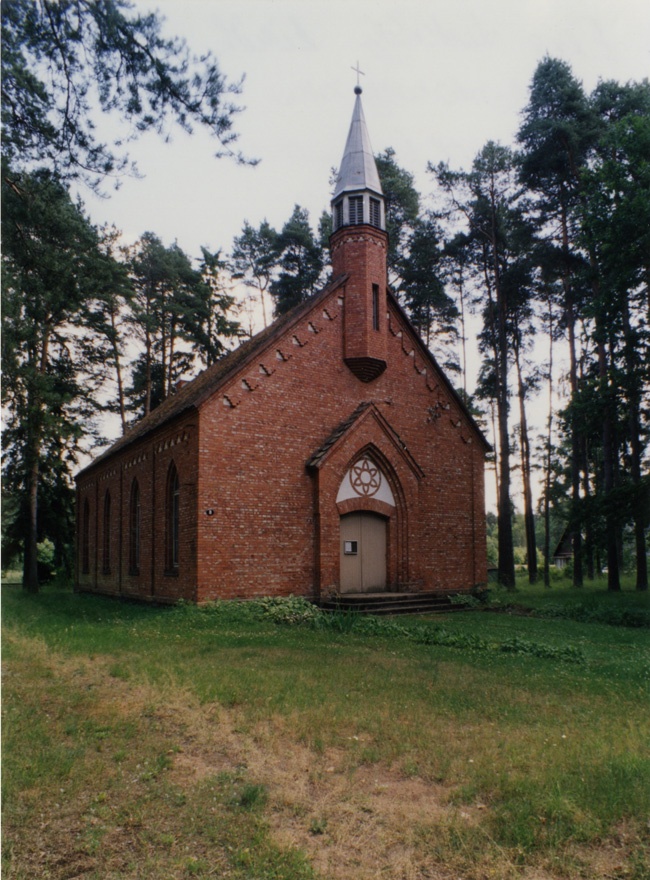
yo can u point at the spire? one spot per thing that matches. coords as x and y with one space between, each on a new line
358 197
358 170
359 245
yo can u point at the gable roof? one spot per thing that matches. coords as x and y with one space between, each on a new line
192 395
197 390
336 434
427 355
366 409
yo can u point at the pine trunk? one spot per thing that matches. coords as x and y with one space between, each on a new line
118 375
576 533
588 518
639 511
611 524
549 452
529 517
32 458
30 561
506 547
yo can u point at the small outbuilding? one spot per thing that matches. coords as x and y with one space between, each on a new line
564 551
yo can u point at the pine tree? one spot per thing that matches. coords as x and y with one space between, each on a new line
299 262
212 325
555 137
64 62
253 261
615 222
402 203
485 198
424 296
53 271
65 66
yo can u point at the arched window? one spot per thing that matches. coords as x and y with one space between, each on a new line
172 519
134 529
85 539
106 535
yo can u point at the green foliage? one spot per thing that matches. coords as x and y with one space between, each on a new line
299 262
634 617
422 291
55 272
294 611
252 797
592 604
557 132
318 826
587 613
469 601
65 63
177 314
253 260
402 202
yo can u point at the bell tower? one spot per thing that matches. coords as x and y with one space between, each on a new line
359 245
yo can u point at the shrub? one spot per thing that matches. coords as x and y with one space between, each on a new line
291 610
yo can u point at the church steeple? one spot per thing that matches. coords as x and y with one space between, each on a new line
358 197
359 245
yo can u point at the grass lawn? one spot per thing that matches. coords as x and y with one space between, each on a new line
259 742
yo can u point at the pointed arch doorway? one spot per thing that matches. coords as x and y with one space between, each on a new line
363 552
363 467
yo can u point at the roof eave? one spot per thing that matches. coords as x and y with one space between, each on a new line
440 372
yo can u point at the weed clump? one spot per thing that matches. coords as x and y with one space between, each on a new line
290 610
296 611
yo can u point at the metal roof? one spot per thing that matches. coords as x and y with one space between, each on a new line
358 170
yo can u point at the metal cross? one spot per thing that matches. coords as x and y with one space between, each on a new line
356 69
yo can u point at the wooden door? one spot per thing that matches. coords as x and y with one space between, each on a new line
363 553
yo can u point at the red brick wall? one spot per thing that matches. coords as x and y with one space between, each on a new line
147 462
274 526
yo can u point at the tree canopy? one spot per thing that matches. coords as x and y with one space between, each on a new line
66 67
66 61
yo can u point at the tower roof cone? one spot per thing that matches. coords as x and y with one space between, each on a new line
358 170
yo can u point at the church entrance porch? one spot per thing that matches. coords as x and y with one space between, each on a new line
363 553
366 491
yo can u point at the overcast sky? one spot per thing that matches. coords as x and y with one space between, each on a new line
442 77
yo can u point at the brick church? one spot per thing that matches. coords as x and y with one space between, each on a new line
327 455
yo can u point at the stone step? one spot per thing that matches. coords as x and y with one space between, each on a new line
392 603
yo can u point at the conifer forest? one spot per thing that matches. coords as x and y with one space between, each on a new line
537 257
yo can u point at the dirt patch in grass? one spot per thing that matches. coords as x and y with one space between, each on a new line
155 774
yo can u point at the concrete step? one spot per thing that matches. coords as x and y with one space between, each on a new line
392 603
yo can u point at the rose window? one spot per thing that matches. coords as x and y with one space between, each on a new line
365 478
